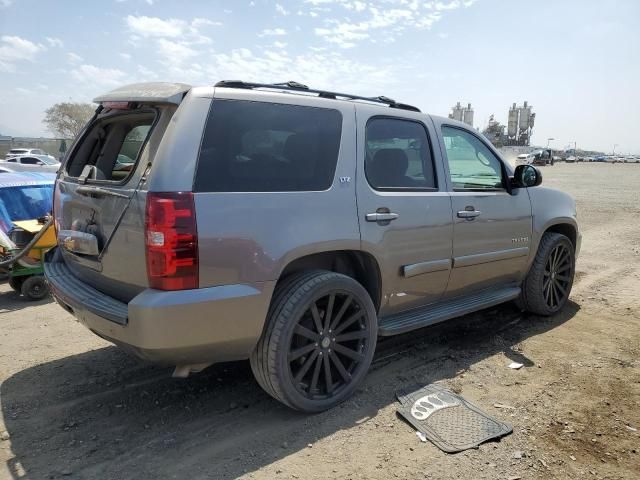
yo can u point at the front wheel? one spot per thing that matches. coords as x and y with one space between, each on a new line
318 343
548 284
35 287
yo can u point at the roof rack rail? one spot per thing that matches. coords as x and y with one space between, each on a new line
299 87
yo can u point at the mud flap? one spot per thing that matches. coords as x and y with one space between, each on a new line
449 422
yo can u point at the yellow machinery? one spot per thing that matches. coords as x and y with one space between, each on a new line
25 265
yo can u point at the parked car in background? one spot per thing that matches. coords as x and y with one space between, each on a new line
32 163
19 152
259 223
525 159
570 159
543 157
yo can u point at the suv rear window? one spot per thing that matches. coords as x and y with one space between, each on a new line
268 147
112 146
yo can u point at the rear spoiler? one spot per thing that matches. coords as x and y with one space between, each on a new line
151 92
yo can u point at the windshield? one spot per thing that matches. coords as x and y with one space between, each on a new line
48 160
24 203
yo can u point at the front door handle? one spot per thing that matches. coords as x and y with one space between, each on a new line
468 213
381 217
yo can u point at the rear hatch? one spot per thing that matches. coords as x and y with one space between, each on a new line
100 194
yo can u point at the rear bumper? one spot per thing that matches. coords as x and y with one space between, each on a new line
185 327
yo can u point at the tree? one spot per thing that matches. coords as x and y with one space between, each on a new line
67 119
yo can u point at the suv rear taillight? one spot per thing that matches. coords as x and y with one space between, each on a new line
171 239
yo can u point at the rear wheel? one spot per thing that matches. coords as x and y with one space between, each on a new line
318 343
548 284
35 288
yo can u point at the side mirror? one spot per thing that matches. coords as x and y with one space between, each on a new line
526 176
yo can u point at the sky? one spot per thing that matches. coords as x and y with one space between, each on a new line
576 61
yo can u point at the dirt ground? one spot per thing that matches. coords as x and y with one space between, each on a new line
73 406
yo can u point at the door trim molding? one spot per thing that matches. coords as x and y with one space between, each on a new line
479 258
420 268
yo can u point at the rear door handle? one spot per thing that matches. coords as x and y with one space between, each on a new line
468 213
381 217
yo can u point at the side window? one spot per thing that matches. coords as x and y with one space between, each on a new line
398 155
268 147
471 164
30 161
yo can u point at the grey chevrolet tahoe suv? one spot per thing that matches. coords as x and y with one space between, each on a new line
292 227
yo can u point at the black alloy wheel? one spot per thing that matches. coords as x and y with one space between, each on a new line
558 275
547 286
327 345
318 341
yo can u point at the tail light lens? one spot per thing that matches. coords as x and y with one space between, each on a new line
172 241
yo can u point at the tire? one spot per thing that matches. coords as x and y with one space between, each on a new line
35 287
547 286
297 347
16 283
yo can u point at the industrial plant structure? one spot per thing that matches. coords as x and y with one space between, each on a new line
518 130
462 114
520 125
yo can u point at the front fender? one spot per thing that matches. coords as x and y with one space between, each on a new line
551 208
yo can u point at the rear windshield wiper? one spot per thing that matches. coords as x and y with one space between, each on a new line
99 192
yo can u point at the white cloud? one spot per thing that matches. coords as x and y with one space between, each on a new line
146 74
125 56
74 58
5 3
155 27
175 53
187 33
309 68
281 10
14 49
202 22
269 32
98 76
387 18
54 42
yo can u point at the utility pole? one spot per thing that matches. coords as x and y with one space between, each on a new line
548 140
614 149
